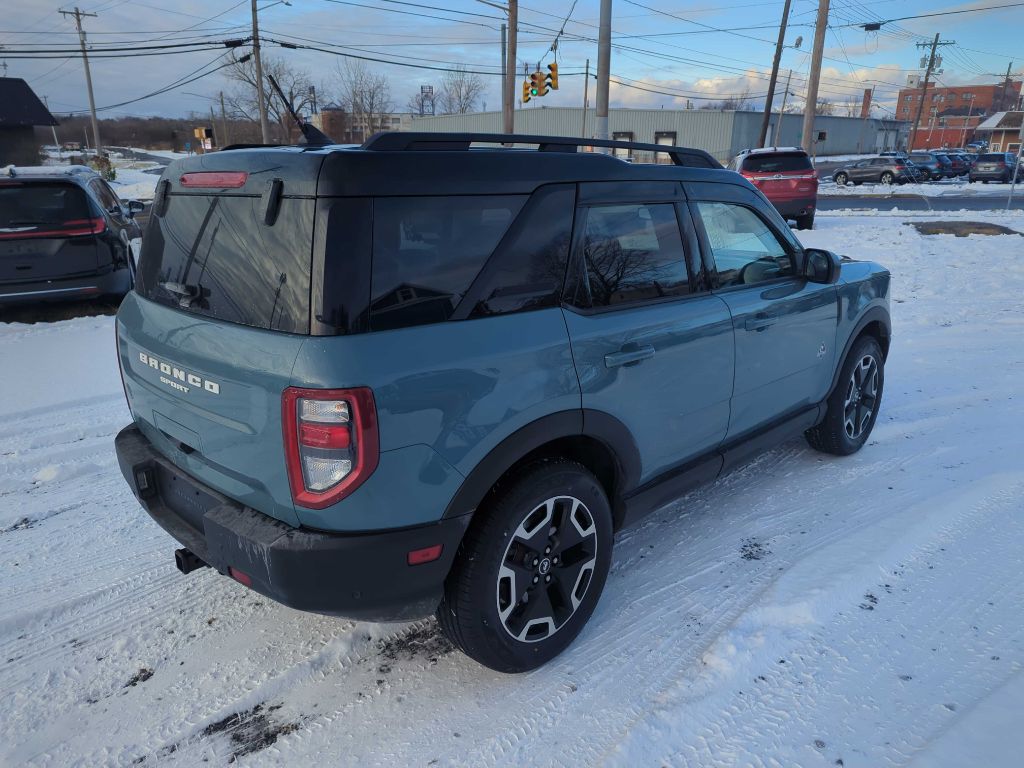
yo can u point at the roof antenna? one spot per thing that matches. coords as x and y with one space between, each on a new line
313 136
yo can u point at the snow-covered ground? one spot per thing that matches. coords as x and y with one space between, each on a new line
943 188
133 182
803 610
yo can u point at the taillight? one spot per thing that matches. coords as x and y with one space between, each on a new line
72 228
330 442
214 179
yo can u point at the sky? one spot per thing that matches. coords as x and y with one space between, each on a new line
665 53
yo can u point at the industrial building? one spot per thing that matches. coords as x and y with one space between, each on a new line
721 133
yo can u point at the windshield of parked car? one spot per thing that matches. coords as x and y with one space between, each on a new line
777 163
31 205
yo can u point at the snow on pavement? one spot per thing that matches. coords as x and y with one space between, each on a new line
802 610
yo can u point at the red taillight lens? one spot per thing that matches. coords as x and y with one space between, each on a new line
425 555
331 443
239 576
72 228
214 179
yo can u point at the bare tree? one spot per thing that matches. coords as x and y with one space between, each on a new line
825 107
366 95
295 83
738 102
460 92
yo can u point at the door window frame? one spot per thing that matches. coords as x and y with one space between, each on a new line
708 257
576 292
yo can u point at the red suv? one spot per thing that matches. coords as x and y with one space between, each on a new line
786 177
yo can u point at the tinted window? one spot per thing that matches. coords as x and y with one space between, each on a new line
528 270
922 158
108 200
215 256
777 163
992 157
428 250
29 206
744 249
633 253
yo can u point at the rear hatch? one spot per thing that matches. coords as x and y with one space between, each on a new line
208 339
47 231
991 162
782 176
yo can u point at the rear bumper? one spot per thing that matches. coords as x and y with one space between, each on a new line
796 207
112 283
361 576
993 175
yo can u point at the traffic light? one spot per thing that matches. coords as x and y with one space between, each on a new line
539 84
553 76
527 85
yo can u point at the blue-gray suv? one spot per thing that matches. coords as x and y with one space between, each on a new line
435 375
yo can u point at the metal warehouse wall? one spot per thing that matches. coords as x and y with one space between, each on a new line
723 134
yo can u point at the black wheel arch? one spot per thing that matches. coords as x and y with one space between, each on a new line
876 323
596 439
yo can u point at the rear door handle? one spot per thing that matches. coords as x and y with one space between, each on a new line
760 322
628 356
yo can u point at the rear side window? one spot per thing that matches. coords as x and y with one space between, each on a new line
215 256
34 206
777 163
633 253
428 250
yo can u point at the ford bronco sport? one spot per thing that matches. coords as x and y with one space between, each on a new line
426 376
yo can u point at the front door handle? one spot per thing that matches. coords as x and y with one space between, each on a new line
760 322
628 356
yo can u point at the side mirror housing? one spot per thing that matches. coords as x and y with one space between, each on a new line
821 266
135 206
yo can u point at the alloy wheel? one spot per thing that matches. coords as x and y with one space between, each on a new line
546 569
861 397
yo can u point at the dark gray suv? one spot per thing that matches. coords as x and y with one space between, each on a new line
878 170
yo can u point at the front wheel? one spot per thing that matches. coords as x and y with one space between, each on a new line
841 179
531 568
853 405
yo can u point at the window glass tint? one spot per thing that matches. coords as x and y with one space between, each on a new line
633 253
992 157
528 270
35 205
745 250
428 250
104 194
215 256
921 158
776 163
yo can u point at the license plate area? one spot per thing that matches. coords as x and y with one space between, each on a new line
183 498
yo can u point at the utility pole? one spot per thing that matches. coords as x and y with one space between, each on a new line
88 75
604 61
963 131
811 103
586 99
53 128
924 86
763 136
1006 87
504 76
218 140
260 96
782 109
224 120
510 68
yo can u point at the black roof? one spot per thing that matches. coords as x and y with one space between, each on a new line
19 106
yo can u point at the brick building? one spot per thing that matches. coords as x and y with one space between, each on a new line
952 114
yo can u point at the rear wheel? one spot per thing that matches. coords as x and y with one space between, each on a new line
805 222
853 405
888 178
531 568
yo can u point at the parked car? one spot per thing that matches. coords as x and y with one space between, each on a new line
64 234
948 170
878 170
787 178
994 166
965 157
957 165
929 165
391 381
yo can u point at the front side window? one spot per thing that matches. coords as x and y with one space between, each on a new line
633 253
105 195
428 250
744 249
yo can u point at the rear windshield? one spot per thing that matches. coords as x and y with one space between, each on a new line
215 256
777 163
993 157
921 158
30 207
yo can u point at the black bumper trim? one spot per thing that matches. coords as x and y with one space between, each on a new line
358 575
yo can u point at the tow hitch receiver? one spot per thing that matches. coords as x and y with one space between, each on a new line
187 561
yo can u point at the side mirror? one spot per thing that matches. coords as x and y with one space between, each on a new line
822 266
135 206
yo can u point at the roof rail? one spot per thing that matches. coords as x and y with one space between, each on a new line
46 170
408 141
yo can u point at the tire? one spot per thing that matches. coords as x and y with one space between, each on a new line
887 178
555 505
805 222
846 426
841 179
